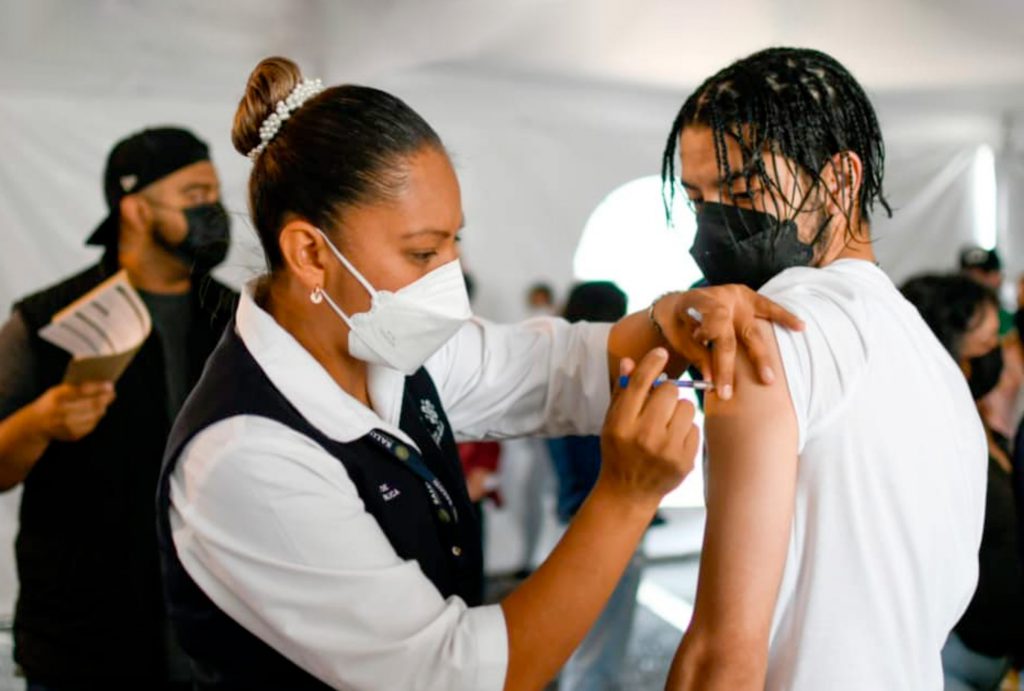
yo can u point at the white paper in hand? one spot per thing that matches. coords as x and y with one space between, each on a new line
102 330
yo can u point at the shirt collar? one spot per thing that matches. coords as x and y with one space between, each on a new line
862 267
307 385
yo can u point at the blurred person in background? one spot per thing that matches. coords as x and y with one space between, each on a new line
540 300
90 611
532 457
596 665
964 314
1001 407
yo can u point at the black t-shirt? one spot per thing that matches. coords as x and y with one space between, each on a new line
172 315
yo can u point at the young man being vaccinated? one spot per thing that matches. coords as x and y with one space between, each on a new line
845 501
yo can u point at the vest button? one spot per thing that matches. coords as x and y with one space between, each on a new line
402 453
457 551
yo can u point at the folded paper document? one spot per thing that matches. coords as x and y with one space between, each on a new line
103 330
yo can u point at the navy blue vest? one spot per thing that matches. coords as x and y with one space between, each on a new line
226 656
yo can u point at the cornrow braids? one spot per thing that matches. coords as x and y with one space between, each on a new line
795 102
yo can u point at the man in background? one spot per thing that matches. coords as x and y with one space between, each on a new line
1001 407
540 300
985 267
90 610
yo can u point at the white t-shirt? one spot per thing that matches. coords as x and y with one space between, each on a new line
890 493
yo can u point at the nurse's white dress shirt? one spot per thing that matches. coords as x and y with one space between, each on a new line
271 528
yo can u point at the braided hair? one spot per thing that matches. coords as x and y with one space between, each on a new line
795 102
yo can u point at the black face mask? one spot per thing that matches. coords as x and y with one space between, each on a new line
736 245
208 238
985 373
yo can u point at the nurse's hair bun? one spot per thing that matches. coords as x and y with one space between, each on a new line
318 152
274 91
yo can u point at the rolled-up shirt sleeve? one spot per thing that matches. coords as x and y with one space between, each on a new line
272 529
541 377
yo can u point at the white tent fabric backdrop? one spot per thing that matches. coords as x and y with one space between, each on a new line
546 106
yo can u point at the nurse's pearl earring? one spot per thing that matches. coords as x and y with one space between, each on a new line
317 296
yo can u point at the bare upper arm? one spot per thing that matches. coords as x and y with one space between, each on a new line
751 481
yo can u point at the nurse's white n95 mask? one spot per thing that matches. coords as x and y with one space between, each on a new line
404 328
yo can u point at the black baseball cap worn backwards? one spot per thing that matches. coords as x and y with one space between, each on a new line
139 160
975 257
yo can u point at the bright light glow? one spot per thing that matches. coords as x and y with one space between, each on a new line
627 240
673 610
985 199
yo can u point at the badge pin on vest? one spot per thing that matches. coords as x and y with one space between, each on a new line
388 493
432 418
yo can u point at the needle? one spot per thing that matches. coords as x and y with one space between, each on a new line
681 383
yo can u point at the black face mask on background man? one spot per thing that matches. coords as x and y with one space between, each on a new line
737 245
985 373
207 240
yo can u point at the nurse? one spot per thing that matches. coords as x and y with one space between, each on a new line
315 528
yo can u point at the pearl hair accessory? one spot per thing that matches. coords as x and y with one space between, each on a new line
303 91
